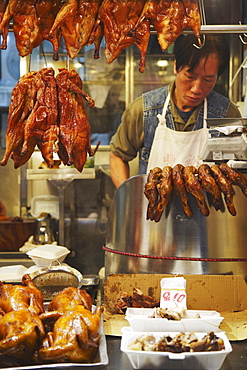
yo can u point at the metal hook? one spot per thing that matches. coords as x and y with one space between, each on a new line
242 40
241 37
200 43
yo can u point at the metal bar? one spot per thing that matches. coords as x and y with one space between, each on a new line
218 28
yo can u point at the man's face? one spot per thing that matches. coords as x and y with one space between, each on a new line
192 87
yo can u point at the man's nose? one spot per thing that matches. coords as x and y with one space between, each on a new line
197 87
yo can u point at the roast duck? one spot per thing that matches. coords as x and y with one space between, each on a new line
67 332
49 112
84 22
216 181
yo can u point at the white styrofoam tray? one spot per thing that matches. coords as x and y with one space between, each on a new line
12 274
45 254
166 360
140 320
45 203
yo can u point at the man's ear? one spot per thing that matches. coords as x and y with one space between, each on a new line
174 68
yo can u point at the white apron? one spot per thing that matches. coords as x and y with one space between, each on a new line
171 147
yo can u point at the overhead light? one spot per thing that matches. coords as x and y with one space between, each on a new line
162 63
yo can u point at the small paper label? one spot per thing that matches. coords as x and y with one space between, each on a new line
173 292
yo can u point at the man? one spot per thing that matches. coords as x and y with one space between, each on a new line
167 126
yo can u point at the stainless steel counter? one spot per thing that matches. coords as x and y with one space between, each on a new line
237 359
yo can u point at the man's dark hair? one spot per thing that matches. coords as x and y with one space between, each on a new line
187 55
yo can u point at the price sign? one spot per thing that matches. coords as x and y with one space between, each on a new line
173 293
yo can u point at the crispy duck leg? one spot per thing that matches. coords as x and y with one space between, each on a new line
226 188
209 184
193 186
236 177
164 188
151 192
179 186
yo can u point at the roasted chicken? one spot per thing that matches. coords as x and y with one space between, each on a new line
209 184
226 188
21 333
179 186
74 336
151 191
193 187
70 297
21 297
164 188
73 329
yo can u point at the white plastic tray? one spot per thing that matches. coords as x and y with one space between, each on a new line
140 320
166 360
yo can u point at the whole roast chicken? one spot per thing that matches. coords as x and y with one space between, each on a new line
21 297
21 333
73 333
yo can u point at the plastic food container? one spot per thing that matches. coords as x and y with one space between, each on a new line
45 254
166 360
140 320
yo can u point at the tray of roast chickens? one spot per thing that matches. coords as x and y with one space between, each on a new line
207 184
67 330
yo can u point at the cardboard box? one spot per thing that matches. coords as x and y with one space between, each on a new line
226 294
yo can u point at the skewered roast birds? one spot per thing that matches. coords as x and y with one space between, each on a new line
75 20
217 180
179 186
48 112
